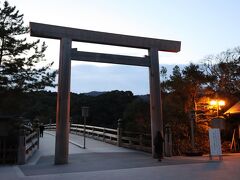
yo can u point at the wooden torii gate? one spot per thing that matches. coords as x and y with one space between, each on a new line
66 35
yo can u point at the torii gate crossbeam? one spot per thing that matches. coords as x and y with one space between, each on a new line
66 35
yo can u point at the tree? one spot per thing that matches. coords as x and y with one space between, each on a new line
19 58
136 116
195 81
104 109
163 73
181 94
225 67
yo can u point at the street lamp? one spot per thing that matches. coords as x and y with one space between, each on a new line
217 104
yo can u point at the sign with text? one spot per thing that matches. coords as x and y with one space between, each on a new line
215 142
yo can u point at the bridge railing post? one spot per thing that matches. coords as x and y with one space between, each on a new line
119 132
21 147
141 140
168 141
38 136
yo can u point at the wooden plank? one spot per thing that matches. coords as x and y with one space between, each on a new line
110 58
81 35
110 135
112 130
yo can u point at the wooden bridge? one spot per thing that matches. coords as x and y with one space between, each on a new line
105 161
132 140
27 141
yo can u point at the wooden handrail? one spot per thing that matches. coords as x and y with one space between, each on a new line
129 139
28 144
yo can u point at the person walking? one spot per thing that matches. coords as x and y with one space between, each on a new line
158 146
41 128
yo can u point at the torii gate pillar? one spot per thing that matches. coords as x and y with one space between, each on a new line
63 102
155 97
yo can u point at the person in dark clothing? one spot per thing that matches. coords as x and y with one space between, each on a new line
41 128
158 145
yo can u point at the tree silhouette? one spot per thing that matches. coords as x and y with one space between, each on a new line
18 57
225 67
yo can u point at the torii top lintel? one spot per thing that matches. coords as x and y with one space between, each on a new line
80 35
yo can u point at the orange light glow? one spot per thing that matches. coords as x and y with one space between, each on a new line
217 103
213 103
221 103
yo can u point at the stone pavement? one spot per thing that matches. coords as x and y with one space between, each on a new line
105 161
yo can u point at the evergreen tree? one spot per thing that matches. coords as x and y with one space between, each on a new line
18 57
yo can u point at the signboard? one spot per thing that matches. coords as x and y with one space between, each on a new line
85 111
218 123
215 142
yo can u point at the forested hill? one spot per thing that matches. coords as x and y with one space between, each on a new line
105 108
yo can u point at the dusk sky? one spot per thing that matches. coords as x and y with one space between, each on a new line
204 27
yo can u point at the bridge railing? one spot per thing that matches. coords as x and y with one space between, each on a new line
28 143
17 145
99 133
118 137
137 141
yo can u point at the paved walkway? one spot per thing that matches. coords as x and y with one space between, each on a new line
104 161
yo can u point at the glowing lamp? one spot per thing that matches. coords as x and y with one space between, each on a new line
213 103
221 103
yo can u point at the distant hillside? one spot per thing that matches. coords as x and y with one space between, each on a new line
95 93
144 97
98 93
86 78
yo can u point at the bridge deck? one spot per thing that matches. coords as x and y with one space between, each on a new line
104 161
47 147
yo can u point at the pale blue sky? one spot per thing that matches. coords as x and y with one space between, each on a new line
203 26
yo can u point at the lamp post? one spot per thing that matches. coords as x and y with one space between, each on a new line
217 104
84 115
